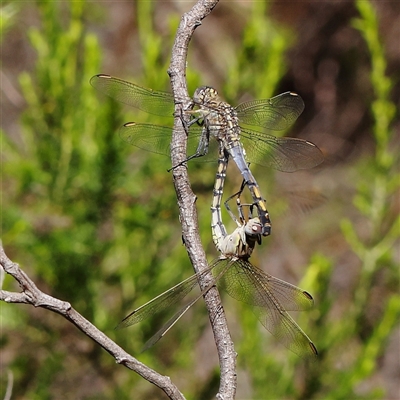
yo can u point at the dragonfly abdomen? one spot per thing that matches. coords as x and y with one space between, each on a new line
217 226
237 154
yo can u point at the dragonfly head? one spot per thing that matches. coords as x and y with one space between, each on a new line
253 230
253 227
206 95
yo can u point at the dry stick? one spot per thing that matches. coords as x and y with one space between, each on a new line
32 295
187 199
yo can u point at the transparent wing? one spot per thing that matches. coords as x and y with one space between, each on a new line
157 139
168 325
224 263
169 298
284 154
153 138
148 100
270 298
305 201
249 284
277 113
162 301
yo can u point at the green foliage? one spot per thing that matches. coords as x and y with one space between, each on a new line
375 245
7 14
95 222
85 219
261 56
151 44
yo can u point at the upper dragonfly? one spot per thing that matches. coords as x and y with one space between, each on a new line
221 120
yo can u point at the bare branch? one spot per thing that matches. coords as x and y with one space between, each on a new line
32 295
187 199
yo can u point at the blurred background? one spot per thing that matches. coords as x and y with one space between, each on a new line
94 221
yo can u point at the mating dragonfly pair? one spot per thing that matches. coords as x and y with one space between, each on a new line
270 298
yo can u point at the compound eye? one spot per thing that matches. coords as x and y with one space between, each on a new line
257 228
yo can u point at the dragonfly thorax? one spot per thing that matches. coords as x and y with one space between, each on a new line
219 118
206 96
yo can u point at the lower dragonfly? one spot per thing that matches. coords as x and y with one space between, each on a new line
269 297
221 120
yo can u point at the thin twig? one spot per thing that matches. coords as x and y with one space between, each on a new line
186 198
32 295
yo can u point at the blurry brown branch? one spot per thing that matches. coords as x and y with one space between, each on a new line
32 295
187 199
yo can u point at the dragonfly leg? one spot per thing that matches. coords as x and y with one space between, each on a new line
202 149
252 225
242 219
240 206
239 222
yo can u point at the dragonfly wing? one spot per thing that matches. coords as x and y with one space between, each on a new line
249 284
284 154
148 100
270 298
160 303
176 317
277 113
153 138
168 325
156 138
281 325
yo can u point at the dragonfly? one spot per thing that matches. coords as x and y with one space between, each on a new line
270 298
221 120
251 285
